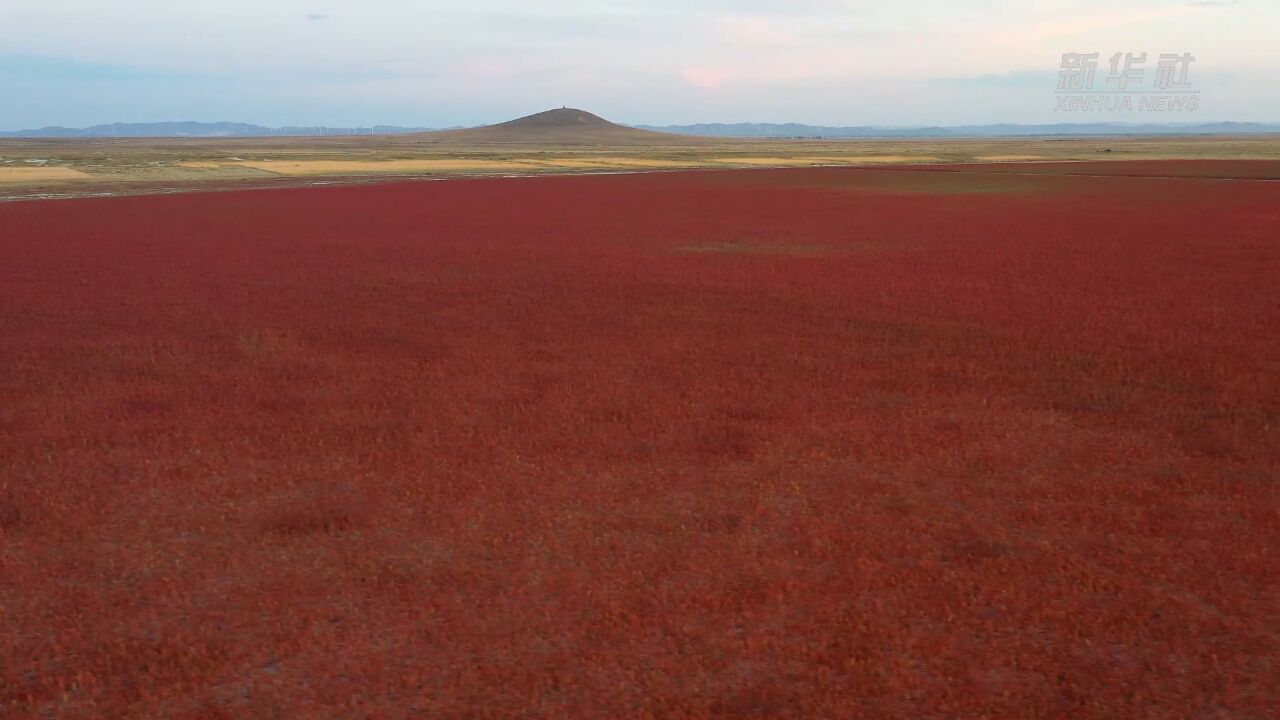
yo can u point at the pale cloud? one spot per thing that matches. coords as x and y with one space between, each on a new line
1058 27
707 78
755 31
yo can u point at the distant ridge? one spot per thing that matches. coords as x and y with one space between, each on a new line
797 130
571 126
564 126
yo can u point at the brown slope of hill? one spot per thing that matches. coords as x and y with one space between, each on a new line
564 126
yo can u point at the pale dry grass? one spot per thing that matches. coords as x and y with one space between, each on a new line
617 162
92 165
343 167
40 174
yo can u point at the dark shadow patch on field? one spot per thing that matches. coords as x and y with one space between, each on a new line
748 248
315 511
11 510
794 249
264 343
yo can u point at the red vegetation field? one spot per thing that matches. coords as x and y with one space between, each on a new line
792 443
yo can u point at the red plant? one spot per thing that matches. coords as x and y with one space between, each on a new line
794 443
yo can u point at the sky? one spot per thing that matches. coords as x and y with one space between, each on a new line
436 63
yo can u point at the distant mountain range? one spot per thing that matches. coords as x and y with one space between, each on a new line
796 130
734 130
204 130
